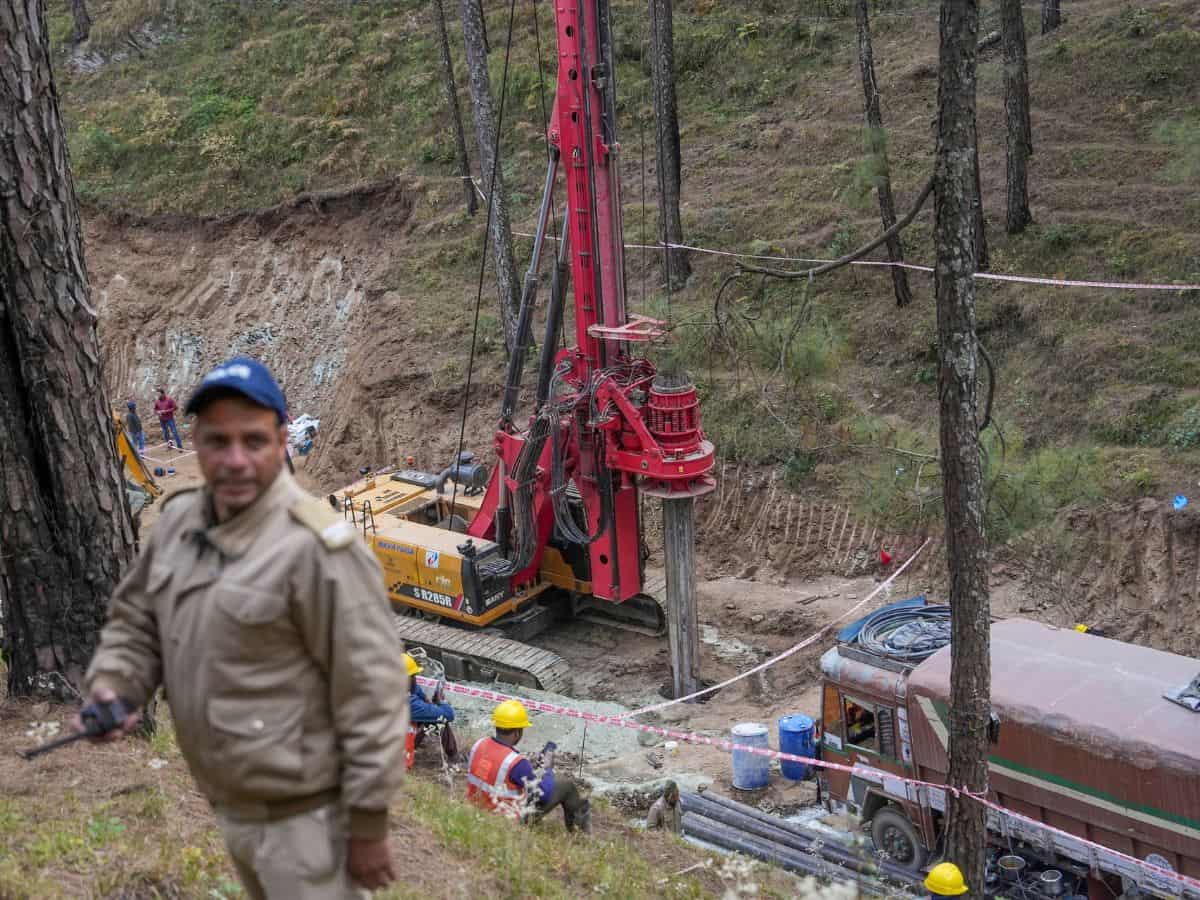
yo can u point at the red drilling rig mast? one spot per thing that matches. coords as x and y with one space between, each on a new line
605 425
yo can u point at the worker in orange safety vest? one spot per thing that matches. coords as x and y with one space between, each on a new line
500 778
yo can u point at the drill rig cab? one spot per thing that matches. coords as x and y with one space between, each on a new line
556 531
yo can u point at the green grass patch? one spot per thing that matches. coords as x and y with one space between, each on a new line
1144 423
1026 488
901 481
538 861
1183 135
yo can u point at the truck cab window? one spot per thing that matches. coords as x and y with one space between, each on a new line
861 727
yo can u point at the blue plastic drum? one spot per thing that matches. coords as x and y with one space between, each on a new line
750 771
796 735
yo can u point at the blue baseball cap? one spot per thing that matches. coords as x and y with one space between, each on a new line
244 376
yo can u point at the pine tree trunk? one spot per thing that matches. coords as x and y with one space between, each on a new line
487 46
667 160
962 474
83 21
460 138
65 530
878 147
1016 109
490 171
1051 15
982 257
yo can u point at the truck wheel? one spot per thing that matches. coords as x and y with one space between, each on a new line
895 838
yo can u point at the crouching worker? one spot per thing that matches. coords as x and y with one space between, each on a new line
499 778
425 715
420 710
665 812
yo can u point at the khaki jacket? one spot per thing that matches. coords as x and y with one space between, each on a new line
272 636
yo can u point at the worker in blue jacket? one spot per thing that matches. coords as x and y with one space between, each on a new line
420 710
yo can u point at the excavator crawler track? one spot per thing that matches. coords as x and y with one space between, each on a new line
477 656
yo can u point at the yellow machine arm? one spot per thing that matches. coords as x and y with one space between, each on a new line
135 466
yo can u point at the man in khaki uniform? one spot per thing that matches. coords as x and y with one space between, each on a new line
265 619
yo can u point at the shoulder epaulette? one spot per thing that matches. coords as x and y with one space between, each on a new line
334 531
179 493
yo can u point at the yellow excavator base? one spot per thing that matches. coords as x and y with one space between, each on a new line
406 526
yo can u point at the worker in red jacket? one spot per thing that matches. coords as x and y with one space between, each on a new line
165 407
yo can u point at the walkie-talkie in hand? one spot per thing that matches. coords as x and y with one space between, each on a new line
98 719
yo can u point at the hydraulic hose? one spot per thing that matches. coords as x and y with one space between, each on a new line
909 634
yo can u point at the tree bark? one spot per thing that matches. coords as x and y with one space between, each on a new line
487 46
982 257
1051 15
460 138
83 21
962 473
65 530
1016 109
493 178
878 147
668 164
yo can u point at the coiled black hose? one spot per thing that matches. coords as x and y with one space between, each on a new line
909 634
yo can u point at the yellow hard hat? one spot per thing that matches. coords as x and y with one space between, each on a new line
945 880
511 714
411 665
1082 629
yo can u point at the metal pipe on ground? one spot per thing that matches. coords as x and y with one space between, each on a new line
728 838
755 822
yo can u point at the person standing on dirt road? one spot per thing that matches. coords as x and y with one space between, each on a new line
265 618
165 407
133 424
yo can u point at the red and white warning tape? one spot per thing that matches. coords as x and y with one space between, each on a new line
1034 279
795 648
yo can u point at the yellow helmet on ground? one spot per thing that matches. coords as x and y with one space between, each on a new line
411 666
945 880
510 714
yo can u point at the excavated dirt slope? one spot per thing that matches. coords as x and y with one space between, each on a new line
304 288
1131 570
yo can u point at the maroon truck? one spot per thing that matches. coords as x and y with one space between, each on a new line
1082 740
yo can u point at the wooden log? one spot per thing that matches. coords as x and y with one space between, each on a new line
842 533
850 542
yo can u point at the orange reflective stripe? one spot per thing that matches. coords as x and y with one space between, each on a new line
410 747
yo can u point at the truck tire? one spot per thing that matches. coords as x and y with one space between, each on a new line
895 838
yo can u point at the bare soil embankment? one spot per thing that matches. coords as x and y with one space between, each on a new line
310 289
